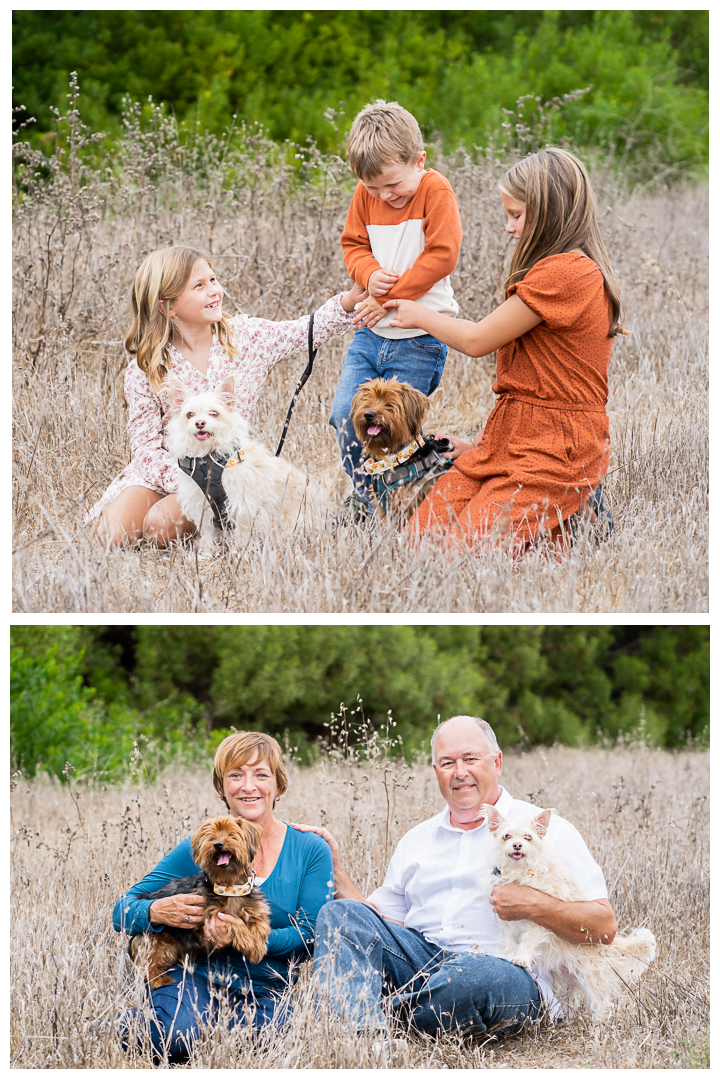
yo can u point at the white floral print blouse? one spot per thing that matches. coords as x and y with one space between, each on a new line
261 344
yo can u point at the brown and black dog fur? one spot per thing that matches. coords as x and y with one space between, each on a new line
387 415
224 849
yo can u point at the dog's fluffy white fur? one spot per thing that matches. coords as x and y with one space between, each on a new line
594 974
264 492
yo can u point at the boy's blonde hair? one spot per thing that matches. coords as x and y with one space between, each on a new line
159 281
561 215
383 134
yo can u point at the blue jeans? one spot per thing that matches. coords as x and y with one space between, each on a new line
175 1013
418 361
358 955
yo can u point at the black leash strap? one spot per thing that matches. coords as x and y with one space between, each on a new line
312 353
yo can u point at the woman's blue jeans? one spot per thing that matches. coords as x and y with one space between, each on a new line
418 361
174 1013
361 959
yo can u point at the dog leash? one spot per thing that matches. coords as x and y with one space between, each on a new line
312 353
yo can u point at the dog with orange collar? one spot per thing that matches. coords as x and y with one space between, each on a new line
224 849
402 464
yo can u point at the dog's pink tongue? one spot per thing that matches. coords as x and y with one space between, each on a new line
374 429
223 860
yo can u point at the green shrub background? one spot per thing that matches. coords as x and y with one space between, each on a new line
301 73
89 694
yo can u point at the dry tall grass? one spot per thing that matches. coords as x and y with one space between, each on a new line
644 814
275 240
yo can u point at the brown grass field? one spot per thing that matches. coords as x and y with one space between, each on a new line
643 813
275 242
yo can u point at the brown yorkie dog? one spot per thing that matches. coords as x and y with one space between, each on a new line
387 416
224 848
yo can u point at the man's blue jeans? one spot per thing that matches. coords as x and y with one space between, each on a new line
359 958
174 1013
418 361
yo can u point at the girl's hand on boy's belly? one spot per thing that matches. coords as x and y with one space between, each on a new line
352 297
369 312
406 314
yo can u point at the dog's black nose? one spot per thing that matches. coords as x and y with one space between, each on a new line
369 416
218 845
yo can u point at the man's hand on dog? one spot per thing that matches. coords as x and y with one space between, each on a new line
171 910
381 282
369 312
513 901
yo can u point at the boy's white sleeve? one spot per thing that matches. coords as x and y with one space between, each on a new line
263 343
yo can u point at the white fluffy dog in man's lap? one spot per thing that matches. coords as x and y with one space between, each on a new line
229 483
594 974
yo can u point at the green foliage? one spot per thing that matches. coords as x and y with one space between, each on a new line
88 694
300 73
36 640
667 673
54 719
47 705
693 1055
277 677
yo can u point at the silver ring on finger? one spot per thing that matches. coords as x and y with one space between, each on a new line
187 917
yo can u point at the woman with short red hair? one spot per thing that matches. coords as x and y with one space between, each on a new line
293 870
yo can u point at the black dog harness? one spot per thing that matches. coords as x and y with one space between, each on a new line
426 460
207 472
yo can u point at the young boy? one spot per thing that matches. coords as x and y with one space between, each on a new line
401 239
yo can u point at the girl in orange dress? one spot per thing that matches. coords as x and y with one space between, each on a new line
545 447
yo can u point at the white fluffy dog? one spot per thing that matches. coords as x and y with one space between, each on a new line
263 492
595 974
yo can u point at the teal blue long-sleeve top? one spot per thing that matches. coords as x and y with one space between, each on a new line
300 884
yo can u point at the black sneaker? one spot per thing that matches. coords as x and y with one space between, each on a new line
600 529
354 511
605 521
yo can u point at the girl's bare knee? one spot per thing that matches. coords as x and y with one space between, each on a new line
155 527
113 535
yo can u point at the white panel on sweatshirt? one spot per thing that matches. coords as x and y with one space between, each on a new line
396 248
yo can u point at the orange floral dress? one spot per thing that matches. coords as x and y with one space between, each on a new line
545 446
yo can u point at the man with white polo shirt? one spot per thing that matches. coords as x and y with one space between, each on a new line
428 940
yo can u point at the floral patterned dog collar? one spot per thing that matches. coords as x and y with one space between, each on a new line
372 468
236 890
236 458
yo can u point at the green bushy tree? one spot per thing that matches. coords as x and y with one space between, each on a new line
55 718
277 677
301 73
48 703
87 694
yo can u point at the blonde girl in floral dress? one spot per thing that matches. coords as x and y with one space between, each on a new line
178 324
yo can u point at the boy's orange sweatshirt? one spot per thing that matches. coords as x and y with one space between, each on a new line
420 242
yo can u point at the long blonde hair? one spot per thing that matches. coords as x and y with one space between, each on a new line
159 281
561 215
